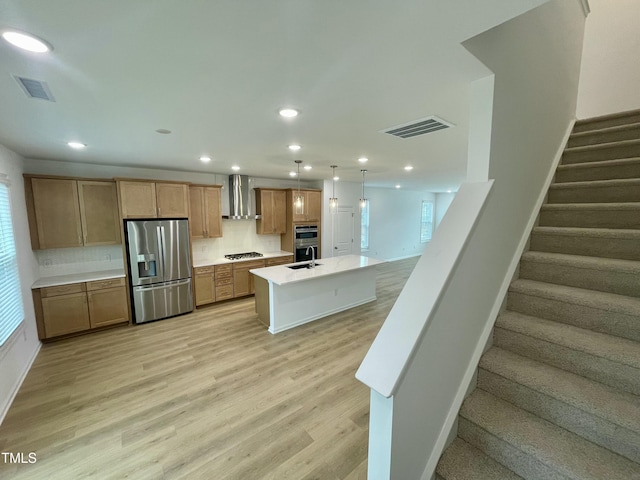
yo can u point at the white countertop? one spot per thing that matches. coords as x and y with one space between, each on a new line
281 274
77 278
218 261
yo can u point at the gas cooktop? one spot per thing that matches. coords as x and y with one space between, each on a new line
240 256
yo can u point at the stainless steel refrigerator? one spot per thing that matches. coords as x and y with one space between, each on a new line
159 263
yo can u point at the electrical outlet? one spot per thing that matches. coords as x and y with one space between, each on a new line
47 262
107 257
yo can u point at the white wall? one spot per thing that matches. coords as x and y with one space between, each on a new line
610 73
17 354
443 200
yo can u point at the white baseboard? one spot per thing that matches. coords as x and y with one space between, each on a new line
16 387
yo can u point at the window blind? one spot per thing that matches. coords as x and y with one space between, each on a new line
11 307
426 222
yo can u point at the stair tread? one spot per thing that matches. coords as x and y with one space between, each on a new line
603 146
599 164
615 349
592 206
597 131
608 116
617 182
581 261
553 446
608 403
621 233
463 461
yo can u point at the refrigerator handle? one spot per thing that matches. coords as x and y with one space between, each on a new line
160 234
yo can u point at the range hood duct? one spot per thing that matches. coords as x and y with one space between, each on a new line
240 198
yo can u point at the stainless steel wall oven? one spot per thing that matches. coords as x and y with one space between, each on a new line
305 236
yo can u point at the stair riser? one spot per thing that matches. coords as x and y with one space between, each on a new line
602 432
600 172
599 369
597 154
596 218
525 465
629 133
622 248
606 123
587 317
621 283
595 194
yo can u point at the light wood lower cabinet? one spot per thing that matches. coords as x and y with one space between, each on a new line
107 302
79 307
243 280
65 314
204 283
272 262
224 282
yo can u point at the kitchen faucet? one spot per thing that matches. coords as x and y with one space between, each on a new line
313 256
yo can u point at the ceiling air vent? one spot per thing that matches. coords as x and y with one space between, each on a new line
418 127
35 88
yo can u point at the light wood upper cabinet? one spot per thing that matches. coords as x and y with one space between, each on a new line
271 205
206 211
57 213
172 200
99 212
311 209
139 199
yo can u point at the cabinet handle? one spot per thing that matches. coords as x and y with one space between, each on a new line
159 212
80 239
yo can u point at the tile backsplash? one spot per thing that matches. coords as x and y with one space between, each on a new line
238 236
65 261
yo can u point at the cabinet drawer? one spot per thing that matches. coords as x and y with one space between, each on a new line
224 292
224 281
109 283
204 270
62 290
223 271
271 262
248 265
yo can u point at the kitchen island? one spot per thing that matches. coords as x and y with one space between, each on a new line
286 297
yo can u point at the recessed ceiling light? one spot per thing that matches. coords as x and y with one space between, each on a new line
292 174
26 41
205 159
397 186
294 148
336 178
288 112
76 145
307 167
363 159
163 131
408 168
235 168
448 191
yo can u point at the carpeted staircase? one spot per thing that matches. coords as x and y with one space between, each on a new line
558 393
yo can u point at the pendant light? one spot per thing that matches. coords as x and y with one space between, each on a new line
363 200
333 201
298 201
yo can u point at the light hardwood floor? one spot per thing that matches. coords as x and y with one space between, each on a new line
209 395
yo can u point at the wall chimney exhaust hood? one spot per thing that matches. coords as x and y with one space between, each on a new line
240 205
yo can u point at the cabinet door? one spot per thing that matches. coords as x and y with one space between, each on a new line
213 211
264 206
279 211
241 286
65 314
137 199
57 212
197 220
99 213
172 200
313 206
205 289
108 306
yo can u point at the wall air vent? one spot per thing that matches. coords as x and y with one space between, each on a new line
418 127
35 88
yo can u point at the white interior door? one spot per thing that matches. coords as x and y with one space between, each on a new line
343 231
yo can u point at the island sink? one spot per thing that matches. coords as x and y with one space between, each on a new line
304 265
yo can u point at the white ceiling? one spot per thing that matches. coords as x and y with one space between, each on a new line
215 73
